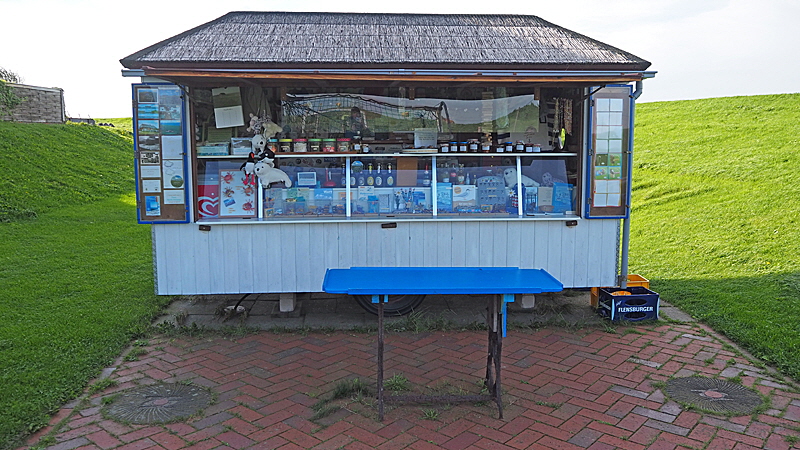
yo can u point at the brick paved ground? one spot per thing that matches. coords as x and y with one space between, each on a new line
564 389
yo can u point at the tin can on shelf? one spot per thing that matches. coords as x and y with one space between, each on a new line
300 145
315 145
343 144
328 145
285 145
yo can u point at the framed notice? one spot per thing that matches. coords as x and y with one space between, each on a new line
160 153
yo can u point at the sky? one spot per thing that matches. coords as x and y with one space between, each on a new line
699 48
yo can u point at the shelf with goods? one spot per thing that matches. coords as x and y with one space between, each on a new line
404 186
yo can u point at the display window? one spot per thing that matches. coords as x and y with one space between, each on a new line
312 153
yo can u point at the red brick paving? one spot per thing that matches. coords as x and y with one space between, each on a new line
563 389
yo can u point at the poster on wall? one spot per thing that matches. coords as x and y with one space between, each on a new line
237 199
160 153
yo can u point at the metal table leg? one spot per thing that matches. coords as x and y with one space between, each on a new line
376 298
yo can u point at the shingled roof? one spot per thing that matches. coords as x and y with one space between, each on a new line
293 39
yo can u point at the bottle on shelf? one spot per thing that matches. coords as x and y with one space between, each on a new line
370 177
343 182
460 177
453 174
389 177
426 176
379 177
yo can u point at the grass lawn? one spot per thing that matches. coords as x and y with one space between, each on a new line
716 206
77 279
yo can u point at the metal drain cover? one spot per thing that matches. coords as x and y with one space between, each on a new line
714 395
158 403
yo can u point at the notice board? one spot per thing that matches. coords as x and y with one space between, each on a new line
160 155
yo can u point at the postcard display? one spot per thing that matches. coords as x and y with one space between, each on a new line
160 155
609 167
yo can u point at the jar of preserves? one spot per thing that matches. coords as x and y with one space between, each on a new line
300 145
328 145
273 145
343 145
285 145
315 145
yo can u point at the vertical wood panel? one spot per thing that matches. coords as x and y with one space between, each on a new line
472 244
246 262
262 265
458 244
485 244
200 264
499 244
514 244
568 256
286 246
527 247
331 250
373 244
579 261
554 249
403 249
416 246
541 238
218 258
306 256
430 245
358 243
345 245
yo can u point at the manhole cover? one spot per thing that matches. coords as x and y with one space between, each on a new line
714 395
158 403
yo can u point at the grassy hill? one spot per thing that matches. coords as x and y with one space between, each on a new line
75 267
716 206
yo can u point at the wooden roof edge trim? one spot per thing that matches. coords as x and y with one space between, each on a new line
519 76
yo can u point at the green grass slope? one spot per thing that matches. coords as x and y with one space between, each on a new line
716 205
77 278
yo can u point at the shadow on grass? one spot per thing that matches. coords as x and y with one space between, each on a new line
761 314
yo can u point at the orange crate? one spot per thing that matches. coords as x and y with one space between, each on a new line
633 280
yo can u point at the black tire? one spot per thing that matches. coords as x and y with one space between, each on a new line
398 305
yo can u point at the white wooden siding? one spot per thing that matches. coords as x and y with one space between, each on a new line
292 257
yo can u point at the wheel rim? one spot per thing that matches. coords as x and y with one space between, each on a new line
398 305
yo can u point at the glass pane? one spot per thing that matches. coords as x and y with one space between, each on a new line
477 186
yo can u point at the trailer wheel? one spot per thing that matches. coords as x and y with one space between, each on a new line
398 305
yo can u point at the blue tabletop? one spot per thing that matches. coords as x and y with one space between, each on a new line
439 280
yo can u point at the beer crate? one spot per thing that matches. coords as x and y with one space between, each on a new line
633 280
632 304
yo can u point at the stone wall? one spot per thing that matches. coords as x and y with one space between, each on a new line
40 105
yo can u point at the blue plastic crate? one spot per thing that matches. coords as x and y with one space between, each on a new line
641 304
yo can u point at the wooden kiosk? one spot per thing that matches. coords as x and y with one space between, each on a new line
406 140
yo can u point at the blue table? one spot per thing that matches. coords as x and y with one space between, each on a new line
502 282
